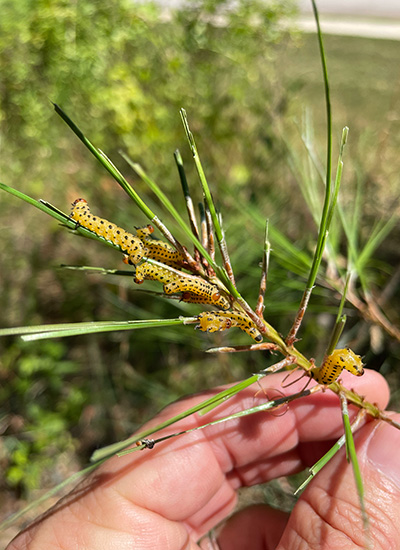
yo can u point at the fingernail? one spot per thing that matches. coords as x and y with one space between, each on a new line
382 451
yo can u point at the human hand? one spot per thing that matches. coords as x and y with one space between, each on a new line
168 497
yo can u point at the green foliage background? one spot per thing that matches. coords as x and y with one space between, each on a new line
122 71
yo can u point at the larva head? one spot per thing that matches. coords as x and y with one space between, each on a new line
139 275
220 300
143 232
78 205
76 201
80 211
348 360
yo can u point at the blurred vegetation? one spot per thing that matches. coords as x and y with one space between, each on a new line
122 71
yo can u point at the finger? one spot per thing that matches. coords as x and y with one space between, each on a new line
258 527
328 513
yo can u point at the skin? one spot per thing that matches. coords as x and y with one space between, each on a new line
168 497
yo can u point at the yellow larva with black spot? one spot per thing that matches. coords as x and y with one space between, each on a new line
195 285
159 250
214 321
152 272
162 252
334 364
191 298
179 282
128 243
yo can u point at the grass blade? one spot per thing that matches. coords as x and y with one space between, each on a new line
352 457
264 273
210 203
57 214
41 205
170 207
98 270
201 408
340 319
317 467
186 193
202 176
110 450
41 332
108 165
269 405
53 491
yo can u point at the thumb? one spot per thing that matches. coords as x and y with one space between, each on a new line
328 513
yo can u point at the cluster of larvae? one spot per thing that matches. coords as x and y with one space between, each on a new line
194 289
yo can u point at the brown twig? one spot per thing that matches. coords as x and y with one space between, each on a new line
264 346
264 274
